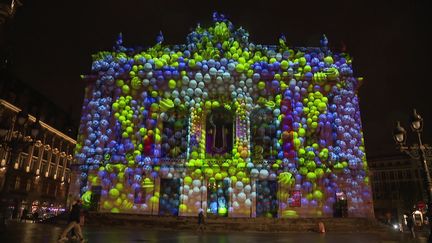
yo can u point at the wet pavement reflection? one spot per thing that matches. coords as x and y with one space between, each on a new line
29 232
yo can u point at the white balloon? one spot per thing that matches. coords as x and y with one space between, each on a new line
203 189
236 205
239 185
184 198
198 77
196 183
190 91
249 82
196 190
212 71
193 84
201 85
186 188
205 95
198 92
241 197
207 78
175 94
185 80
263 174
232 88
177 101
254 173
219 80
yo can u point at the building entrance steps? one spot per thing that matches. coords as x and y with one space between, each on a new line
215 224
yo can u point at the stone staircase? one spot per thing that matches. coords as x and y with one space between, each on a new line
236 224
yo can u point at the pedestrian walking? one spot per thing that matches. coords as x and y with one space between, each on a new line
4 217
15 213
74 222
201 221
24 215
410 224
35 216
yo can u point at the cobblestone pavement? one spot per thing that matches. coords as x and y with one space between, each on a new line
29 232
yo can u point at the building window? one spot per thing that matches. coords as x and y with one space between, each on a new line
17 183
28 186
45 155
22 160
42 168
391 175
33 165
59 172
35 151
52 172
409 174
400 176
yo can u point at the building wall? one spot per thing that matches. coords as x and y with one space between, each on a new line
41 172
312 145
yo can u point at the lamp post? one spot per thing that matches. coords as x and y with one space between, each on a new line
16 135
418 151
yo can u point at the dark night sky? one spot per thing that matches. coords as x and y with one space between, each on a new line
52 41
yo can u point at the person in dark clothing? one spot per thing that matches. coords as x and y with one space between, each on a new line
201 220
24 215
35 216
15 213
410 224
74 222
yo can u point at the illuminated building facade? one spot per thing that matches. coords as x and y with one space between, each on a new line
39 175
225 125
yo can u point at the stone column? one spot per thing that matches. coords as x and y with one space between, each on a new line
39 159
29 158
50 153
57 162
65 162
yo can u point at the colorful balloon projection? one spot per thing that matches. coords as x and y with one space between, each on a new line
220 123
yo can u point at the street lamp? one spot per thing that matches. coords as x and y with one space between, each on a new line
16 135
418 151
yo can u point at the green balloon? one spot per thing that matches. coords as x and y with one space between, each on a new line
317 194
172 84
114 193
125 89
284 65
311 176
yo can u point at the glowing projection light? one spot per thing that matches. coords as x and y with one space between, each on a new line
220 123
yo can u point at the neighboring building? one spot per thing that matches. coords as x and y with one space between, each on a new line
41 173
8 9
28 99
222 124
397 185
